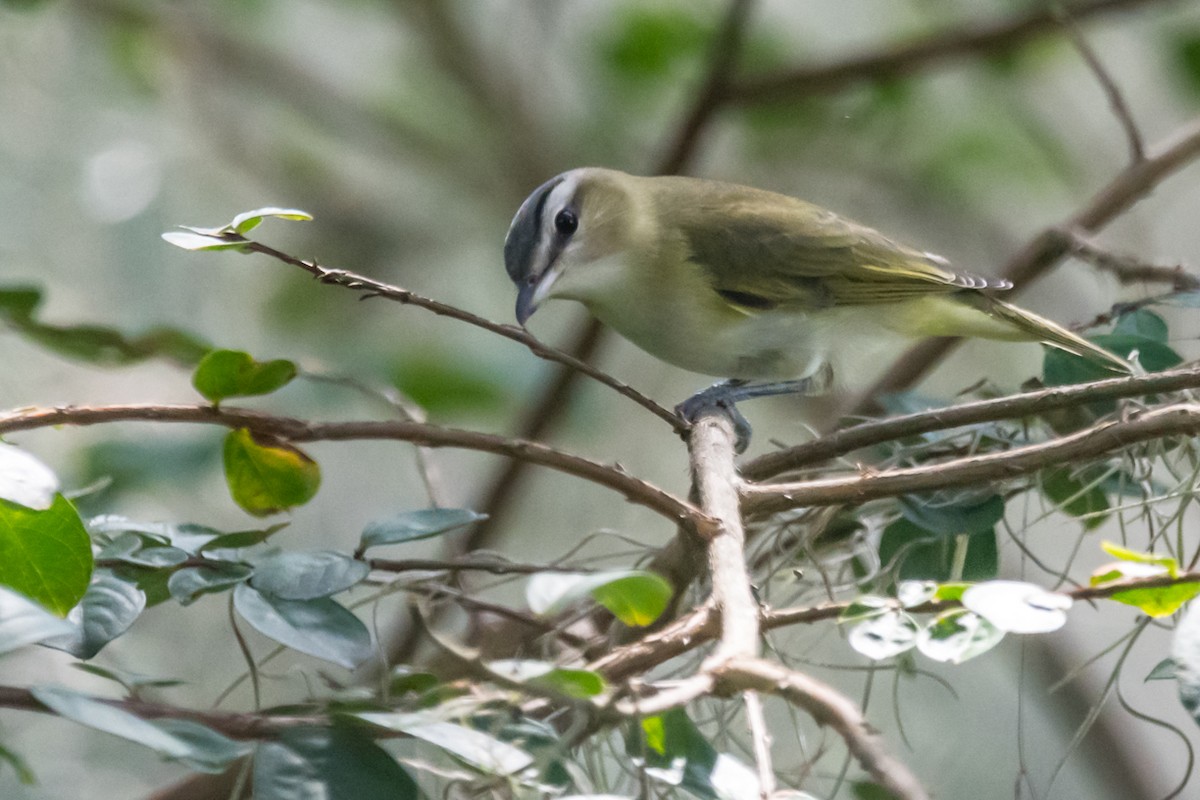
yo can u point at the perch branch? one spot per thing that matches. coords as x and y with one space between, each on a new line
1093 442
867 434
298 430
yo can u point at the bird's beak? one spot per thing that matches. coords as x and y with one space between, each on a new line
532 291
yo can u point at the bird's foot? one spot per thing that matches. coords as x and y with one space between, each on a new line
723 396
726 394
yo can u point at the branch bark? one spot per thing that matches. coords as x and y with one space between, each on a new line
1099 440
867 434
298 430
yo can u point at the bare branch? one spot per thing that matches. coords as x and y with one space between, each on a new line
866 434
828 707
1099 440
760 737
373 288
1129 268
298 430
970 41
1116 100
1052 244
711 447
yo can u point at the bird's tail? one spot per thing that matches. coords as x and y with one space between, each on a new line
1048 332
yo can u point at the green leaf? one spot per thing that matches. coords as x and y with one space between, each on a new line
952 515
241 539
486 753
678 754
108 609
337 763
232 373
884 636
23 622
189 583
865 790
957 636
635 597
24 773
1185 653
1018 607
25 480
210 752
191 240
648 42
1160 602
1060 368
307 575
1143 323
1167 563
93 343
578 683
249 220
319 627
267 475
449 385
1078 493
101 716
404 680
1185 50
45 555
132 681
413 525
1163 670
922 555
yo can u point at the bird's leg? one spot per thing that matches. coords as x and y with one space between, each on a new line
726 394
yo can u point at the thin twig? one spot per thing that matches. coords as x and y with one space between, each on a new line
1130 269
867 434
760 737
298 430
1116 100
1094 442
373 288
829 707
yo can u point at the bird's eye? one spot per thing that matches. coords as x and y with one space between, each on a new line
565 222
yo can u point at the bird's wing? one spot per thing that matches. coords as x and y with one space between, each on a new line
763 250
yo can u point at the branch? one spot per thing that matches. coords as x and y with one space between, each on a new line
898 61
1116 100
866 434
1089 443
1052 244
298 430
373 288
828 707
232 724
700 625
711 447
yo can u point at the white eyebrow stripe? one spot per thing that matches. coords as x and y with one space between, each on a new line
560 196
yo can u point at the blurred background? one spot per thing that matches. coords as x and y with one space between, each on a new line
412 130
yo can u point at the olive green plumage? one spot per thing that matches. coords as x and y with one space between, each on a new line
738 282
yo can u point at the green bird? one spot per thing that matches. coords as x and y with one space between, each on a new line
745 284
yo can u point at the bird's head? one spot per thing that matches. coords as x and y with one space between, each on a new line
569 225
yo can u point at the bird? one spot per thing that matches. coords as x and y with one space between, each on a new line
758 288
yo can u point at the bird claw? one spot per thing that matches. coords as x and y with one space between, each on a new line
720 396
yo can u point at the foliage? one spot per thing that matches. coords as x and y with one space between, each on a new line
376 670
